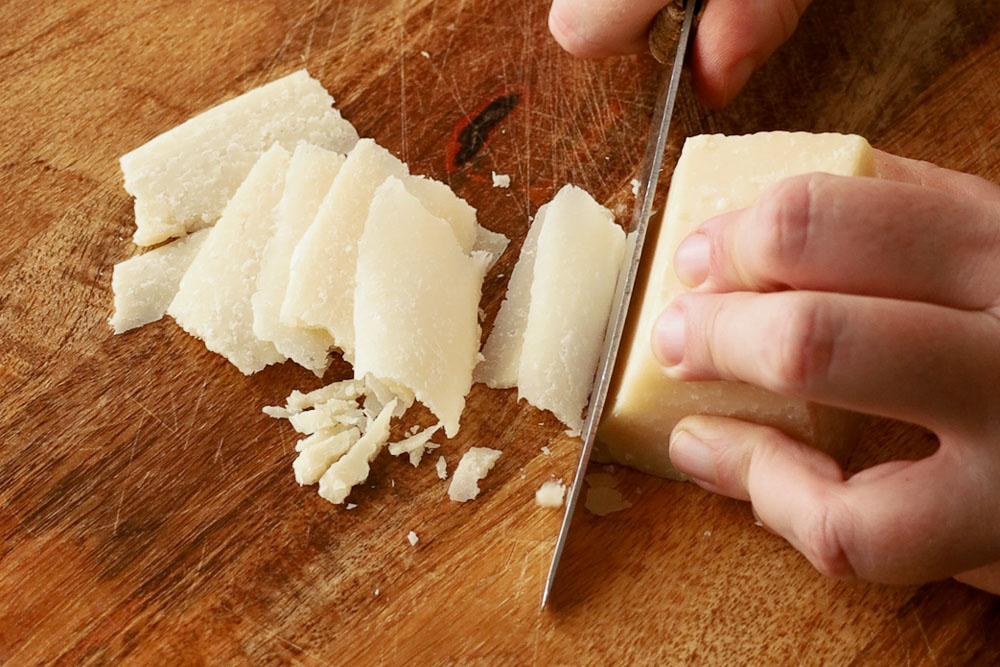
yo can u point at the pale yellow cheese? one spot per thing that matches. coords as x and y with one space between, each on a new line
472 467
416 303
715 174
144 285
577 263
213 300
416 445
316 458
182 179
492 243
550 494
310 175
353 467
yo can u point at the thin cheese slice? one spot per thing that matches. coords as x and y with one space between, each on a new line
182 179
144 285
502 352
715 174
473 466
213 301
492 243
577 263
416 303
344 390
310 175
321 278
324 416
316 458
353 467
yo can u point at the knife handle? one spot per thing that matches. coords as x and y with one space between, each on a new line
666 30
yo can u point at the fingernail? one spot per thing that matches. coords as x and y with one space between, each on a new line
668 337
692 457
691 261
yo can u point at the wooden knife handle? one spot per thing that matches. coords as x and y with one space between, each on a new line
666 30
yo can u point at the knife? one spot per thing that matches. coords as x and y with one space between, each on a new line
663 30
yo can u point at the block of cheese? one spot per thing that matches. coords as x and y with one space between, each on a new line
182 179
310 176
213 300
715 174
548 334
416 303
144 285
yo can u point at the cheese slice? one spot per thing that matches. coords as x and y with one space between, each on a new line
415 445
213 300
577 263
182 179
473 466
144 285
325 450
492 243
715 174
416 303
502 351
310 175
322 275
353 467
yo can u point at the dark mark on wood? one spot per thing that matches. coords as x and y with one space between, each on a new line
472 134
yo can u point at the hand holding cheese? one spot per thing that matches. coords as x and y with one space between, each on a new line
733 39
878 295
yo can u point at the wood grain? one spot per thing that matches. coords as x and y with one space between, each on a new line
148 511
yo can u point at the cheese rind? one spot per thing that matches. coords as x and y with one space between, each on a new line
182 179
577 264
144 285
310 174
416 304
213 300
715 174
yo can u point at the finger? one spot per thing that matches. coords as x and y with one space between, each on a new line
855 235
928 175
987 578
905 526
600 28
734 38
924 364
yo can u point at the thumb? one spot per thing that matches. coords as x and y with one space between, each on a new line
734 39
900 522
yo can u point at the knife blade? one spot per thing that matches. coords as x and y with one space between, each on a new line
652 162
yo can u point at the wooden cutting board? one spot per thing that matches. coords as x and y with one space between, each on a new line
148 511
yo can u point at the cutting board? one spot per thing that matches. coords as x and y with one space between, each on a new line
148 511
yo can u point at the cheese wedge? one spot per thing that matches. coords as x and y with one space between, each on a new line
416 303
310 175
213 300
715 174
577 263
144 285
182 179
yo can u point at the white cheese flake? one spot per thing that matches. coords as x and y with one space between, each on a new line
501 180
442 468
546 451
473 466
412 538
183 179
550 494
415 445
603 500
316 458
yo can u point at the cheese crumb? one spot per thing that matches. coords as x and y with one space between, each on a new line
550 494
603 500
442 468
425 54
635 186
412 537
376 592
546 451
415 445
473 467
501 180
351 506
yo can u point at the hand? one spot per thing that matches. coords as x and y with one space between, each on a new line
734 37
877 295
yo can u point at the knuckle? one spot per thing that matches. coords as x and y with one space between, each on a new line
821 541
807 339
785 214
